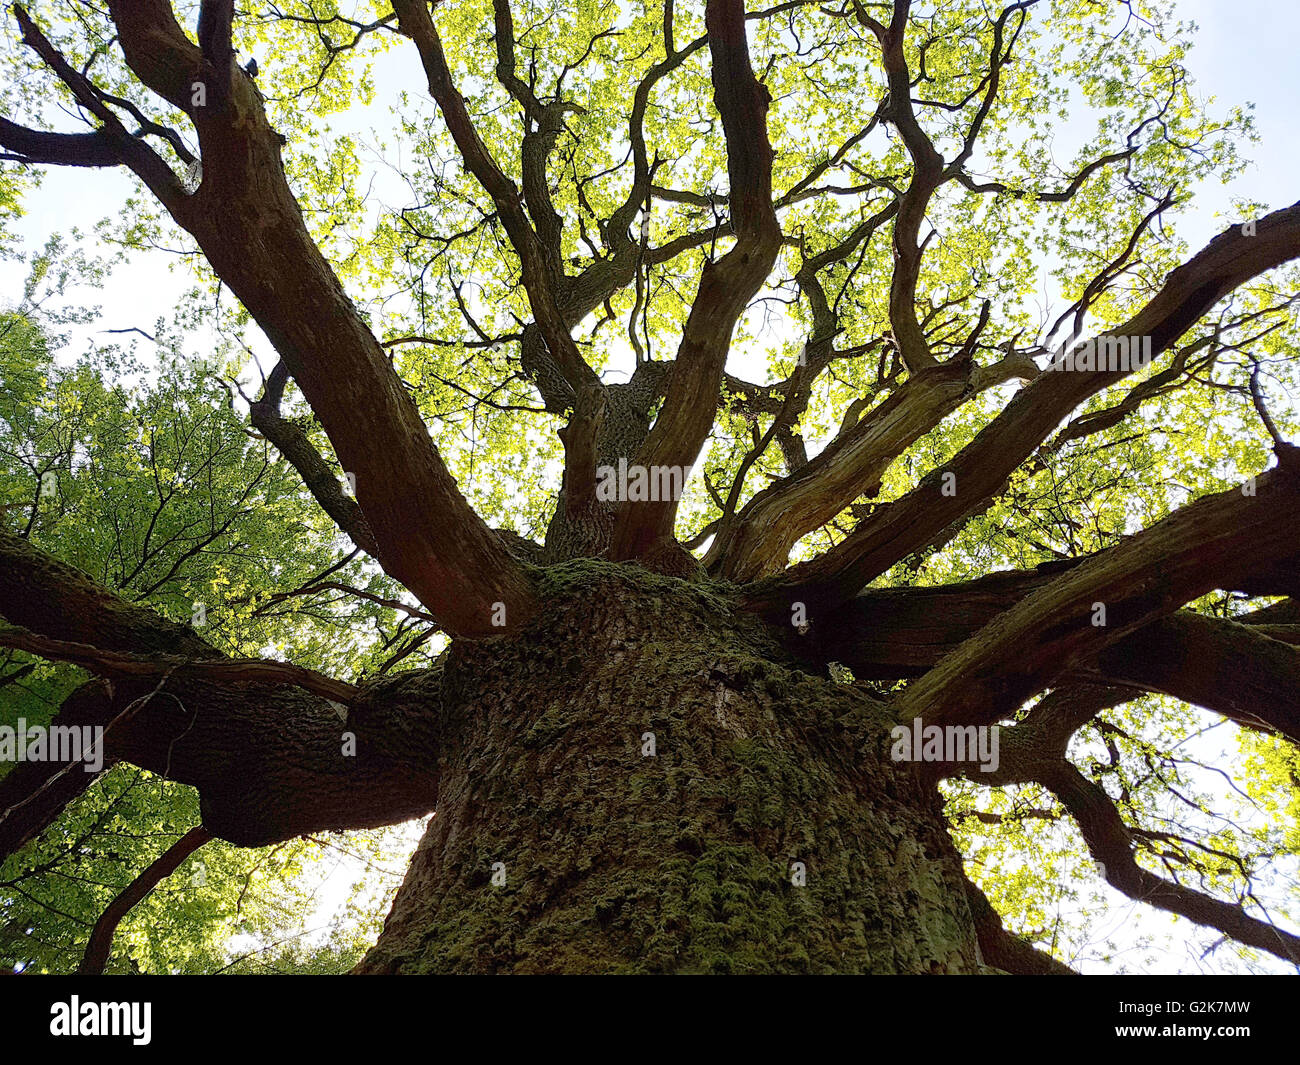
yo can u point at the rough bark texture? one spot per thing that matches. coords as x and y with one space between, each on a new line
267 756
683 861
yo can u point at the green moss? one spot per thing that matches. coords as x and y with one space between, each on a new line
681 862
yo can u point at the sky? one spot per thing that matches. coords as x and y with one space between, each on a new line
1244 52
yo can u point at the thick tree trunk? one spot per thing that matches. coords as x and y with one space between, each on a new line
767 832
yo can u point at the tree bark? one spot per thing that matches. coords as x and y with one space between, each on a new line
612 859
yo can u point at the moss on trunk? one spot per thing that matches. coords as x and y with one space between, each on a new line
688 859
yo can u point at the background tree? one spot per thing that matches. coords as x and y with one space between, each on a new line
657 733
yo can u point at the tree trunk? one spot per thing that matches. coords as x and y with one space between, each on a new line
643 782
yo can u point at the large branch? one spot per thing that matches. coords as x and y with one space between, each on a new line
263 742
216 18
33 794
248 224
725 288
775 518
1034 751
1247 669
1215 542
271 761
1003 950
293 443
927 173
1249 673
25 145
41 593
228 671
895 633
980 469
50 597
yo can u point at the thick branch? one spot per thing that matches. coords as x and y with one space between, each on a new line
33 794
215 19
49 597
1249 673
266 744
234 671
1005 951
25 145
1211 543
1110 843
1247 669
927 172
579 438
774 519
981 468
726 286
252 232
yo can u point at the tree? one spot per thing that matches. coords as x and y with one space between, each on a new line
672 729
